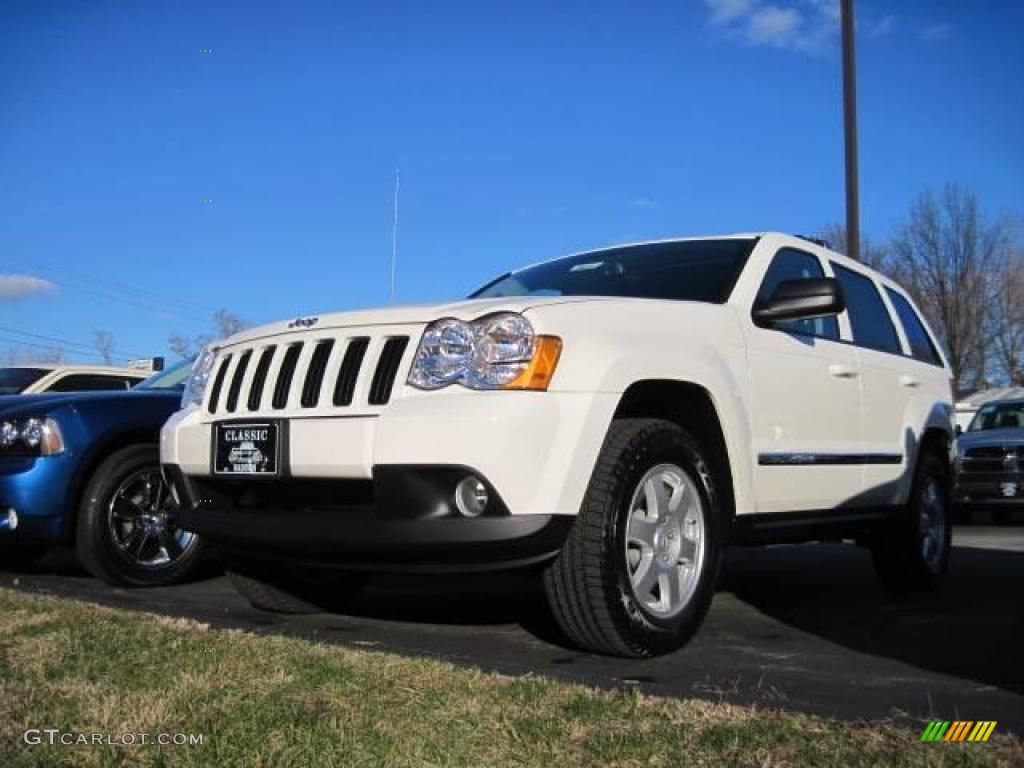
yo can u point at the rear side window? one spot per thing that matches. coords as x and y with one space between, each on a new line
869 318
791 264
89 382
921 346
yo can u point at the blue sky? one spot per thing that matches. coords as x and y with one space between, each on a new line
523 131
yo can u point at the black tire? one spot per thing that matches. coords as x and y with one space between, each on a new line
287 590
898 546
588 585
95 542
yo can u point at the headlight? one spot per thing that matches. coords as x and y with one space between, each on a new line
195 387
30 437
494 352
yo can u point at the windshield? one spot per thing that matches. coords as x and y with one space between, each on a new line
172 378
16 380
693 270
998 416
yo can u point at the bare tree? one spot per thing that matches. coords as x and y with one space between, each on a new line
949 256
225 324
52 355
1007 320
181 345
104 343
873 253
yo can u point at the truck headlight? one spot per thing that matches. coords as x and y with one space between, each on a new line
30 437
498 351
195 387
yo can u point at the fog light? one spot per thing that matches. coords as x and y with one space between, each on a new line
471 496
8 520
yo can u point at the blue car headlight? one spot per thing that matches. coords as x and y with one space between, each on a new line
30 437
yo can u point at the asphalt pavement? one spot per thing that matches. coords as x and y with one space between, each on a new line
803 628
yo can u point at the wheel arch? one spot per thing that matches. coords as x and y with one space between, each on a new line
691 406
96 455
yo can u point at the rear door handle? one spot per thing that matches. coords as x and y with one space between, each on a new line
909 381
841 371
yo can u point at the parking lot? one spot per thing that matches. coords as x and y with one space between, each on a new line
802 628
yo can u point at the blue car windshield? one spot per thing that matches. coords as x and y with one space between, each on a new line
682 270
172 378
13 381
998 416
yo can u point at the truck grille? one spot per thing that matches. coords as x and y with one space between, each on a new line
993 459
314 372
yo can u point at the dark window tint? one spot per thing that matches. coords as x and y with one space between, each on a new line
869 317
921 346
692 270
15 380
91 382
791 264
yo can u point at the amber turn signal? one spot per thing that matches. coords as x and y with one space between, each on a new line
541 369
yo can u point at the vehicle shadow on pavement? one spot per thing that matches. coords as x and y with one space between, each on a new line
971 628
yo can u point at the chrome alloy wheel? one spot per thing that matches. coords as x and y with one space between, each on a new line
665 540
140 518
932 523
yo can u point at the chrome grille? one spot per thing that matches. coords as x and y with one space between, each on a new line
320 371
993 458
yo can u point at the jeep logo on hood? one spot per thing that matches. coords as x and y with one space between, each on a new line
304 322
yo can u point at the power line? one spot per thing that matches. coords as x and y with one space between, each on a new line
175 301
22 343
68 343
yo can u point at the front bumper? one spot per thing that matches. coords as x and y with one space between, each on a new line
990 489
36 489
401 520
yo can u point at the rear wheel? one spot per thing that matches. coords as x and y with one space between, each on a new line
637 574
127 533
293 590
911 551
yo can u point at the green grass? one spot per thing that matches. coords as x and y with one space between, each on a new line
280 701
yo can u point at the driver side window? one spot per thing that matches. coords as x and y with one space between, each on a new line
791 264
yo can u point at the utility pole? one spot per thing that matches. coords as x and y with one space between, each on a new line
850 131
394 241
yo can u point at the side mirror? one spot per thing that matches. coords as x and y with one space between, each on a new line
801 300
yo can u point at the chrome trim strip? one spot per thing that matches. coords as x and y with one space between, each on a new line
826 459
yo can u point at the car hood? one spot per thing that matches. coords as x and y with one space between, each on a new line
1006 436
415 314
49 401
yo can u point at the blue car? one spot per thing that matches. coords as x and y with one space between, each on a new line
84 469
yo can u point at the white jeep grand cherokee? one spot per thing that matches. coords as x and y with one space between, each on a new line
612 418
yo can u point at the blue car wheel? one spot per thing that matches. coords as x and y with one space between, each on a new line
127 529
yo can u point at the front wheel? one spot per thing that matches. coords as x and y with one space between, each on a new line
127 533
911 551
638 571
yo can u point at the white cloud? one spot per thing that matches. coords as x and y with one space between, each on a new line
724 11
773 26
14 287
880 27
646 203
936 33
807 26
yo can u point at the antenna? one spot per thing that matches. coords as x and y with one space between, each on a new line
394 240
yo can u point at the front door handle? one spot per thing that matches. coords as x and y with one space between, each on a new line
841 371
909 381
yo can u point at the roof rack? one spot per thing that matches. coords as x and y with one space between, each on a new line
817 241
